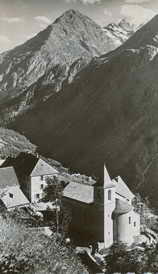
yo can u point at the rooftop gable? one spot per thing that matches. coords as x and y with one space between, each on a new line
43 168
79 192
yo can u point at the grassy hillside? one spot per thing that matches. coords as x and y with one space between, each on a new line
12 143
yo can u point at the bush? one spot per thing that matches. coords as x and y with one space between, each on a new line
136 261
25 251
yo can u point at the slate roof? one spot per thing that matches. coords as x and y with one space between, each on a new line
79 192
8 177
9 185
18 199
122 189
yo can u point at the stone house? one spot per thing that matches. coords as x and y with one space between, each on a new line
32 173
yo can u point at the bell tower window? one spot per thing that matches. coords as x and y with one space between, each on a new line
109 195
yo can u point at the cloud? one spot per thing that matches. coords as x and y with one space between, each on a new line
90 1
11 20
4 39
107 12
84 1
137 1
43 20
136 14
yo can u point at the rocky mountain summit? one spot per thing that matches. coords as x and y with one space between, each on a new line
120 32
34 71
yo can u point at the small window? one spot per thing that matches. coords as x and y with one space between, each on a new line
129 220
42 186
109 194
42 177
10 195
37 196
134 224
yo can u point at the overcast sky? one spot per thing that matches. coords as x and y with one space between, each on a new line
22 19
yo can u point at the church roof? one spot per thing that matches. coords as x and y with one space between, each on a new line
79 192
107 180
8 177
122 207
122 189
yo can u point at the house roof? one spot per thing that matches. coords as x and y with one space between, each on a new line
18 198
42 168
122 189
8 177
2 161
79 192
25 163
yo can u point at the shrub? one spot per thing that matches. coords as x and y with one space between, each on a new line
26 251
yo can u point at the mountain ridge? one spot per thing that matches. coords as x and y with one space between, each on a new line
107 114
53 56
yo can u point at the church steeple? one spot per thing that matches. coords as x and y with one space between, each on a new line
107 180
109 206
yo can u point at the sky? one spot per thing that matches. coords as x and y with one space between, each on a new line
22 19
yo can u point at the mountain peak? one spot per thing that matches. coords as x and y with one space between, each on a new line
71 12
126 25
70 15
118 32
146 35
54 55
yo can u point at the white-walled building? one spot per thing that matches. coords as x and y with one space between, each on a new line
32 173
37 180
121 222
103 213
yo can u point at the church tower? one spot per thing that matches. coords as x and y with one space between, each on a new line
109 206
